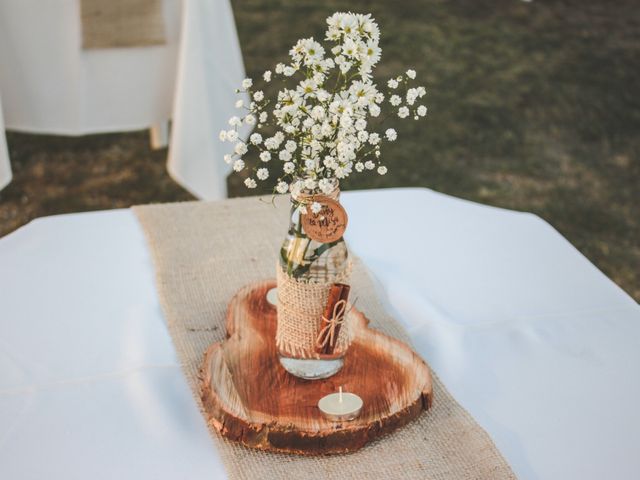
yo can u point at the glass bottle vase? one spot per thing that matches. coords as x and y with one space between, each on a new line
306 260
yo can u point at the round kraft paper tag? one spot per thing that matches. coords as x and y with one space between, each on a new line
329 224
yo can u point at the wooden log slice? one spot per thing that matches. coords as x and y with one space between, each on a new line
248 397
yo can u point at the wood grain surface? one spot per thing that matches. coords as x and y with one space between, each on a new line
248 397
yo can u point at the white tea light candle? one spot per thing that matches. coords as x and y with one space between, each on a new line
272 296
340 406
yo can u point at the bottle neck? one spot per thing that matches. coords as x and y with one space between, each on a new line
304 198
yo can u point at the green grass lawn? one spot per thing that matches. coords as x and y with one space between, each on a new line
533 106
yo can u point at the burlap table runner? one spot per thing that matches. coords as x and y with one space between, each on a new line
121 23
203 253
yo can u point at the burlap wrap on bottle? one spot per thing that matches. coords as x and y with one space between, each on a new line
301 305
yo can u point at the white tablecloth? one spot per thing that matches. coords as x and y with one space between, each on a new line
535 342
50 85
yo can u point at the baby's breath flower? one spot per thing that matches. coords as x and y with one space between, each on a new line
325 186
290 146
316 207
284 155
282 187
391 134
238 165
232 135
325 125
240 148
265 156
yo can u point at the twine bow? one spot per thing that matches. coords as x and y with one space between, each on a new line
328 332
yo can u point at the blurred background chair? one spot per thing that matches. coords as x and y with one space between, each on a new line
50 84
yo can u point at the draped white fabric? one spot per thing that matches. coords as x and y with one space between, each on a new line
50 85
5 166
535 342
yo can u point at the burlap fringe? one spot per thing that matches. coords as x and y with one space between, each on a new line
300 307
